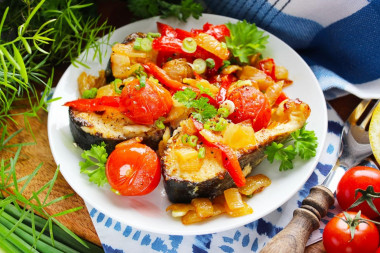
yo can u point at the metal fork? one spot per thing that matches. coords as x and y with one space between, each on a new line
354 148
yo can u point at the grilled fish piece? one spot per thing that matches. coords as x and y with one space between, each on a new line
187 177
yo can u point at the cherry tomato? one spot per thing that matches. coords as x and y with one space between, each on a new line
337 236
250 103
378 250
359 177
133 169
145 105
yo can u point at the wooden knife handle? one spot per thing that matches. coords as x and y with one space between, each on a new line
305 220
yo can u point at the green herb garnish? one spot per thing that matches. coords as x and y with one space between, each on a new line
245 40
160 123
115 84
202 152
304 145
151 8
202 109
91 93
94 164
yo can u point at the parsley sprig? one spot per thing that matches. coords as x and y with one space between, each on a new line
202 109
94 164
301 142
245 40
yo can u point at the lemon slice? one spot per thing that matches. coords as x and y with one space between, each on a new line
374 133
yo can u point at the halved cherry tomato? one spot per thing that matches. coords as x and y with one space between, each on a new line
359 177
252 104
337 237
143 105
146 105
133 169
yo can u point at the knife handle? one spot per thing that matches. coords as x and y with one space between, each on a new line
305 220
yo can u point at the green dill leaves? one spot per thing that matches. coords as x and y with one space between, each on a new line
94 164
245 40
304 144
202 109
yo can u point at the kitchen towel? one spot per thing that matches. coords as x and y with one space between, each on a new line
340 41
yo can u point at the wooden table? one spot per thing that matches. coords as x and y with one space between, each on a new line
79 222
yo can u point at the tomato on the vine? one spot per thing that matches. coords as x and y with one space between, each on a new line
337 235
133 169
359 177
252 104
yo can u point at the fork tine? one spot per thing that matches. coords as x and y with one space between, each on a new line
358 112
368 117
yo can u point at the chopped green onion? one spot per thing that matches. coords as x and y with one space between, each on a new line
142 84
223 112
199 66
189 45
202 152
91 93
115 191
225 64
193 140
160 123
210 63
218 126
146 44
185 138
115 84
189 140
151 36
137 44
142 81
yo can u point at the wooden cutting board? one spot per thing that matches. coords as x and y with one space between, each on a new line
31 156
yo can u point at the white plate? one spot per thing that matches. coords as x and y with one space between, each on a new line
148 212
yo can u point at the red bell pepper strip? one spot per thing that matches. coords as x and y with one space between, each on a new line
272 67
167 44
230 160
166 30
281 98
182 34
217 31
164 78
226 81
95 104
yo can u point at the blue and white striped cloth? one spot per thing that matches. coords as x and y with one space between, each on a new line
340 40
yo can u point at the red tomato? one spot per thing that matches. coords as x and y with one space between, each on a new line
147 104
359 177
378 250
133 169
337 236
250 103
